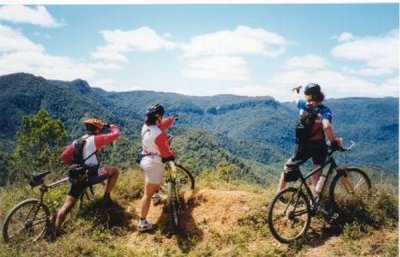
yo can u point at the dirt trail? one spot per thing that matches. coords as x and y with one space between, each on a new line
211 215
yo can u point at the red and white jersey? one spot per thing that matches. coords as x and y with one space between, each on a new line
155 140
93 143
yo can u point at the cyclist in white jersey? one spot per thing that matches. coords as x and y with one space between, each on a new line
155 151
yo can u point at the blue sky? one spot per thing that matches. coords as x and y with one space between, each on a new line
208 49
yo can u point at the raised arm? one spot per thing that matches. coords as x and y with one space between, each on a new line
296 94
166 123
103 140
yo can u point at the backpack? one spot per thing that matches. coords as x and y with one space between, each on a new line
306 121
77 170
77 156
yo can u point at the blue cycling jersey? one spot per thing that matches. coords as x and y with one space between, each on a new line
324 111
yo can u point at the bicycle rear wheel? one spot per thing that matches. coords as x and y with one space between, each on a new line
26 222
173 204
289 215
347 190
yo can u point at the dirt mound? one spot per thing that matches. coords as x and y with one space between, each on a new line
217 209
207 213
232 223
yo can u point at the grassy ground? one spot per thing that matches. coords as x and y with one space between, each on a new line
221 218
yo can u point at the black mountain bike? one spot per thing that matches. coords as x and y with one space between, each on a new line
177 178
30 219
290 211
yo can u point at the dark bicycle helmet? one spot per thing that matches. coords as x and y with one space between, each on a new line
312 89
155 110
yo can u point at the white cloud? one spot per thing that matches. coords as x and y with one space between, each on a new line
337 85
309 61
241 41
367 71
24 14
373 52
229 68
112 85
19 54
143 39
392 85
220 55
108 56
12 40
42 64
278 92
103 66
345 36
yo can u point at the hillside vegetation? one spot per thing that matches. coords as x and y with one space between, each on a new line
221 218
258 129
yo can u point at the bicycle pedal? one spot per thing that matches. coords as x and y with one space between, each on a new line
332 218
335 216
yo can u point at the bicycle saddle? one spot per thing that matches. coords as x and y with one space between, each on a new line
37 179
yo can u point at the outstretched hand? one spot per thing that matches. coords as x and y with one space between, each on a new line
176 117
296 89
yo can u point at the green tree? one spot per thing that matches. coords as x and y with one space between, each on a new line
39 143
225 170
4 167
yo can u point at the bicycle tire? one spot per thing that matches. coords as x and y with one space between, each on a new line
173 204
281 216
16 214
188 174
339 194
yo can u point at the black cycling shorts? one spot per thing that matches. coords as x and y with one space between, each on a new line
317 150
77 189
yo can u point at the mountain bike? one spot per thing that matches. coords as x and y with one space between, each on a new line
177 178
290 211
28 220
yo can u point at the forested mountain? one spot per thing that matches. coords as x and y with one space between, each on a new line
255 133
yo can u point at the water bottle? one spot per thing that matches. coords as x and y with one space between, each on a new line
320 184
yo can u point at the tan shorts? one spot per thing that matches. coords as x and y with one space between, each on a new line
153 170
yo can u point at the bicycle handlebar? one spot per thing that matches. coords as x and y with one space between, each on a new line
343 149
350 147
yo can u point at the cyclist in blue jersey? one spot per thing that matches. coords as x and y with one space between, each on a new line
314 145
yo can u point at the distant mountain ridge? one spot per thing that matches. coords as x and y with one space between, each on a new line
259 129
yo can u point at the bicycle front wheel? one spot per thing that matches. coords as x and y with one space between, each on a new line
184 177
26 222
289 215
347 190
173 204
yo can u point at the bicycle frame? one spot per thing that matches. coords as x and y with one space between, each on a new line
44 188
332 167
171 176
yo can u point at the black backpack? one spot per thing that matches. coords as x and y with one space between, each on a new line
78 168
77 156
306 121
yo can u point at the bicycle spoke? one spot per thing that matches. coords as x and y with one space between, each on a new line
359 183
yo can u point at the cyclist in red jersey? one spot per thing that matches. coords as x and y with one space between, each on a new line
94 140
